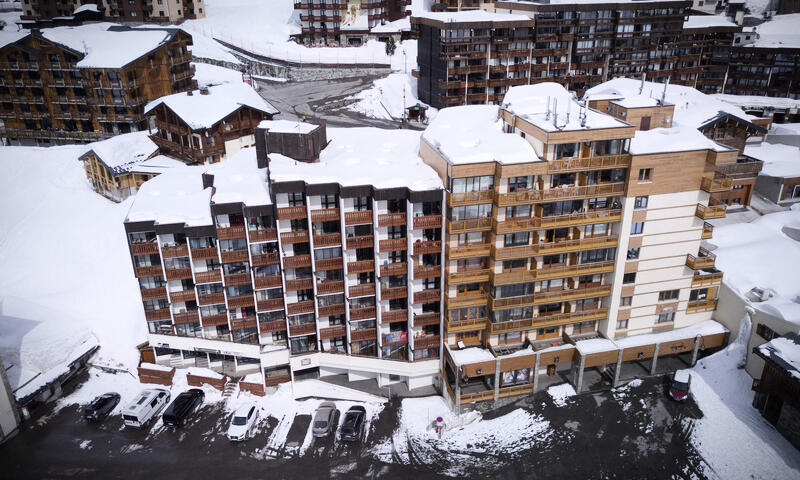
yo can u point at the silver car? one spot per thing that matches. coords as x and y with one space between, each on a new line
323 419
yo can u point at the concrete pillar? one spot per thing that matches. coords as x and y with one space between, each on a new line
457 400
695 349
496 379
535 374
617 369
579 381
655 360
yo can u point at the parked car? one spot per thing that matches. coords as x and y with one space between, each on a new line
184 405
323 419
243 423
145 407
353 424
679 387
101 407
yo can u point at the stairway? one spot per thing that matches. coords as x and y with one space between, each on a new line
231 388
176 360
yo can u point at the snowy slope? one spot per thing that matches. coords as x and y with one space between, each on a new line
65 273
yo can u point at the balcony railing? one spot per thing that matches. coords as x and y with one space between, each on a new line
151 271
560 193
593 163
358 217
325 215
749 168
208 253
145 248
328 264
298 308
561 271
297 261
428 246
327 240
469 276
394 293
209 276
427 221
468 251
215 320
362 313
575 219
154 293
299 284
273 326
711 211
698 306
230 233
331 310
364 241
427 271
466 198
397 268
292 213
704 259
394 316
269 304
471 225
393 245
259 259
243 301
361 266
551 248
329 287
160 314
473 300
335 331
299 236
541 298
263 235
174 251
427 296
211 298
427 319
364 290
720 183
708 231
700 279
458 326
232 256
237 279
182 296
186 317
391 219
271 281
179 273
303 329
363 335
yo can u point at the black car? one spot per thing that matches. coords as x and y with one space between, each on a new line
101 407
353 424
183 407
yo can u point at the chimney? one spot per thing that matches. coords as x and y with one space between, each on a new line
641 87
664 93
203 90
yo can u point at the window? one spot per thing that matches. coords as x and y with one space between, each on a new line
640 202
625 301
633 253
472 184
699 294
329 201
622 324
666 317
765 332
629 278
644 174
637 228
362 203
668 295
296 199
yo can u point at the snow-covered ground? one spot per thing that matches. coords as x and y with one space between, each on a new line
208 75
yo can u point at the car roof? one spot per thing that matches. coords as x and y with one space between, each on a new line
243 410
682 376
357 408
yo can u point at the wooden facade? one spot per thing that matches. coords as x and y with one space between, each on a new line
112 185
54 11
322 22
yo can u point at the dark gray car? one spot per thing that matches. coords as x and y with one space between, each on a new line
323 419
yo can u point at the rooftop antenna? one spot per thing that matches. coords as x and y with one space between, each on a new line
547 117
641 87
583 113
664 93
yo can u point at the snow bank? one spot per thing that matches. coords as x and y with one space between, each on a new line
155 366
320 389
208 75
780 32
388 97
254 378
471 355
561 393
779 160
204 372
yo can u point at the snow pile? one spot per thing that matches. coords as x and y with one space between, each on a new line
561 393
320 389
209 75
388 97
155 366
238 179
780 32
471 355
779 160
758 101
204 372
679 138
254 378
785 350
707 21
65 269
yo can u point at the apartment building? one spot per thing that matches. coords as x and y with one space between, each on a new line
82 84
263 263
164 11
704 52
572 240
210 124
345 22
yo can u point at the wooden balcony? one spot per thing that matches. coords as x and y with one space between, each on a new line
561 271
243 301
260 259
552 248
292 213
328 264
211 299
426 319
709 212
333 332
570 317
593 163
247 322
426 341
327 240
394 293
697 306
273 326
299 236
186 317
427 271
704 259
428 296
160 314
741 169
325 215
558 221
230 233
362 313
471 225
469 198
298 308
708 231
399 268
269 304
179 273
152 271
474 300
361 266
358 218
272 281
277 380
299 284
364 290
459 326
232 256
215 320
393 245
468 251
701 280
175 251
364 241
182 296
263 235
541 298
297 261
154 293
511 326
209 253
427 221
331 310
429 246
469 276
555 194
237 279
210 276
394 316
363 335
391 219
146 248
303 329
329 287
719 183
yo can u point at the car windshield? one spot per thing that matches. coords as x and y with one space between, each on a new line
680 386
239 420
320 424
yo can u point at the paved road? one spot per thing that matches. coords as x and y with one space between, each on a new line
594 436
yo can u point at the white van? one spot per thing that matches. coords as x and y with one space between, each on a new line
145 407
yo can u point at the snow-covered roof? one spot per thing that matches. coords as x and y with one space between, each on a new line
779 160
402 25
471 355
121 153
637 101
474 134
708 327
595 345
743 101
784 351
105 46
87 7
530 102
780 32
175 196
708 21
157 164
692 107
200 111
785 129
288 126
361 22
472 16
362 156
676 139
576 2
781 307
238 179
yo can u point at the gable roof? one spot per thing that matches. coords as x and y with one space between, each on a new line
122 153
201 111
723 117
